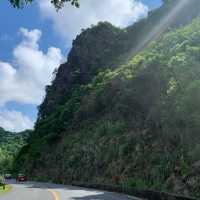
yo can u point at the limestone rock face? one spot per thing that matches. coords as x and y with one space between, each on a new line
92 51
127 119
105 46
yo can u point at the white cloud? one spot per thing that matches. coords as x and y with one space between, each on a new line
24 80
69 21
14 121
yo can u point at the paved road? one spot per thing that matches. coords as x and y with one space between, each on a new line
45 191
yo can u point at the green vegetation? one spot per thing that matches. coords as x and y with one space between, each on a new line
2 182
3 187
113 47
4 190
57 3
111 116
10 144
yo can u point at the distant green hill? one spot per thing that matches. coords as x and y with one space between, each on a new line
125 114
10 144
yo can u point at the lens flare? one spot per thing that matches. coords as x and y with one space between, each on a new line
162 25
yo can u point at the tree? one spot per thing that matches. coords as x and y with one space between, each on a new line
57 3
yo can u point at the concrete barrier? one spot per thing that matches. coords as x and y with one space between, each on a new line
143 194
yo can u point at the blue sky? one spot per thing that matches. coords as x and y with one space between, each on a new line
35 39
9 37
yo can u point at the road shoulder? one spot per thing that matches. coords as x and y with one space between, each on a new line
6 190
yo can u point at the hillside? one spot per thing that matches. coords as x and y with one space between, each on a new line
10 144
105 46
124 112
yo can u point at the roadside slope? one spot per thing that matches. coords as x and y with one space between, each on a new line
135 124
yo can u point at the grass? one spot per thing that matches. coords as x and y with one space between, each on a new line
7 189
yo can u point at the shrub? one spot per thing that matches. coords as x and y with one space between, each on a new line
2 183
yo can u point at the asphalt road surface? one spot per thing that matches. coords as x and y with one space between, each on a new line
47 191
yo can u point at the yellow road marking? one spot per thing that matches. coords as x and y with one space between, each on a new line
55 194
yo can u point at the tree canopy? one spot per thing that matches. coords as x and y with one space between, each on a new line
57 3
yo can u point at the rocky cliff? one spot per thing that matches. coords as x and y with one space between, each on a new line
105 46
124 108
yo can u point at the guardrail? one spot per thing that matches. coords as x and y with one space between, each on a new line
143 194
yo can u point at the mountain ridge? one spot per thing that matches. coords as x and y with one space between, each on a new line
85 61
10 145
110 126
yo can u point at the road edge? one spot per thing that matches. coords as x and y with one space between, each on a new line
8 189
